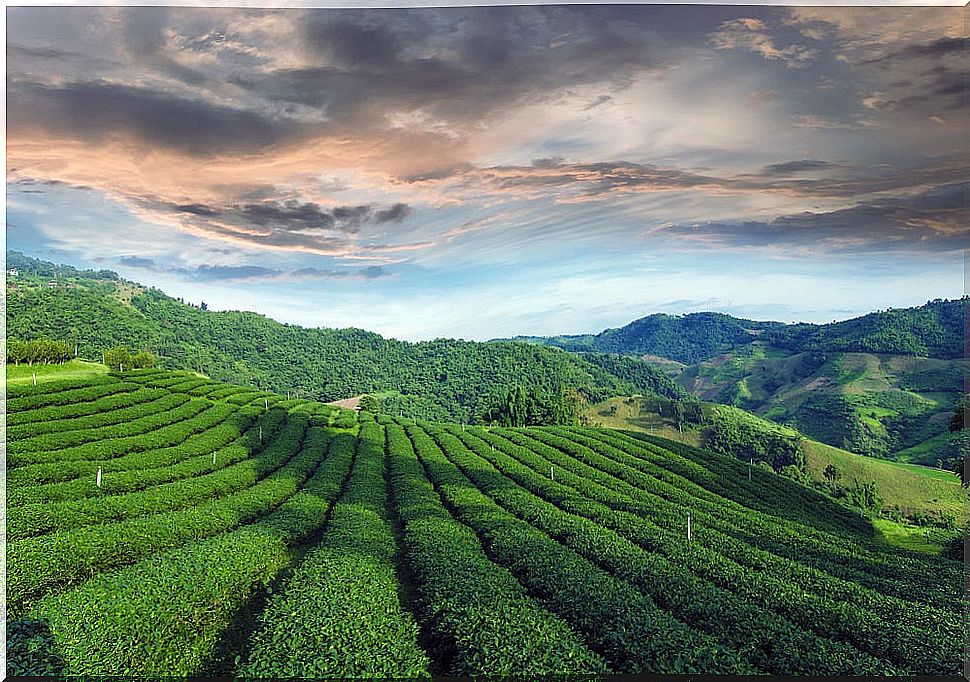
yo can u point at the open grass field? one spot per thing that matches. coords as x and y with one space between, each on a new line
910 486
160 524
73 369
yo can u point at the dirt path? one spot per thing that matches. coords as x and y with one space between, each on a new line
349 403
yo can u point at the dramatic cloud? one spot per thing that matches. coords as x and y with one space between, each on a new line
750 34
402 152
933 221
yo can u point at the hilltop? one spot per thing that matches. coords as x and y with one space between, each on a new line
884 384
442 379
934 330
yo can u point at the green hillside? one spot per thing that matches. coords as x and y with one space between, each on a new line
917 493
163 524
684 338
932 330
443 379
889 406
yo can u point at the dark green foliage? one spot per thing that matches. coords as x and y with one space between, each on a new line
685 338
38 351
370 404
932 330
444 379
644 377
28 266
518 407
733 432
958 421
118 358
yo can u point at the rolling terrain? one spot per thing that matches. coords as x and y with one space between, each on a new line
161 523
445 379
884 384
917 492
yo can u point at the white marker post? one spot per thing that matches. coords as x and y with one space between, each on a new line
98 481
213 457
260 433
750 467
35 378
688 528
75 350
265 403
552 472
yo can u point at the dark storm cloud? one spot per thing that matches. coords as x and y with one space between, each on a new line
936 49
93 110
137 262
394 214
791 167
935 221
598 180
461 64
229 273
296 216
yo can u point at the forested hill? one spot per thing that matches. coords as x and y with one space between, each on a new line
684 338
932 330
441 379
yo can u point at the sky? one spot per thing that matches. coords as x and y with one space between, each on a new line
483 172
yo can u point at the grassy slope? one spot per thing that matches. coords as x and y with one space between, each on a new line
912 487
917 393
73 369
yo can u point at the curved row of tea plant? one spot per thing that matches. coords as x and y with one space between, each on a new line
165 414
892 573
219 435
105 412
211 580
86 392
42 518
476 611
167 434
39 565
624 625
669 564
772 534
216 448
339 613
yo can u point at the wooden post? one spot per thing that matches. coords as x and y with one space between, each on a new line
98 481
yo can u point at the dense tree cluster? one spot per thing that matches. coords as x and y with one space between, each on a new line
931 330
441 379
734 432
518 407
38 351
121 359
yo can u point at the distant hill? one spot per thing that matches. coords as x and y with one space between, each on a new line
932 330
441 379
684 338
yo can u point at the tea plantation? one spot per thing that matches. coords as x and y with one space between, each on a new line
161 524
